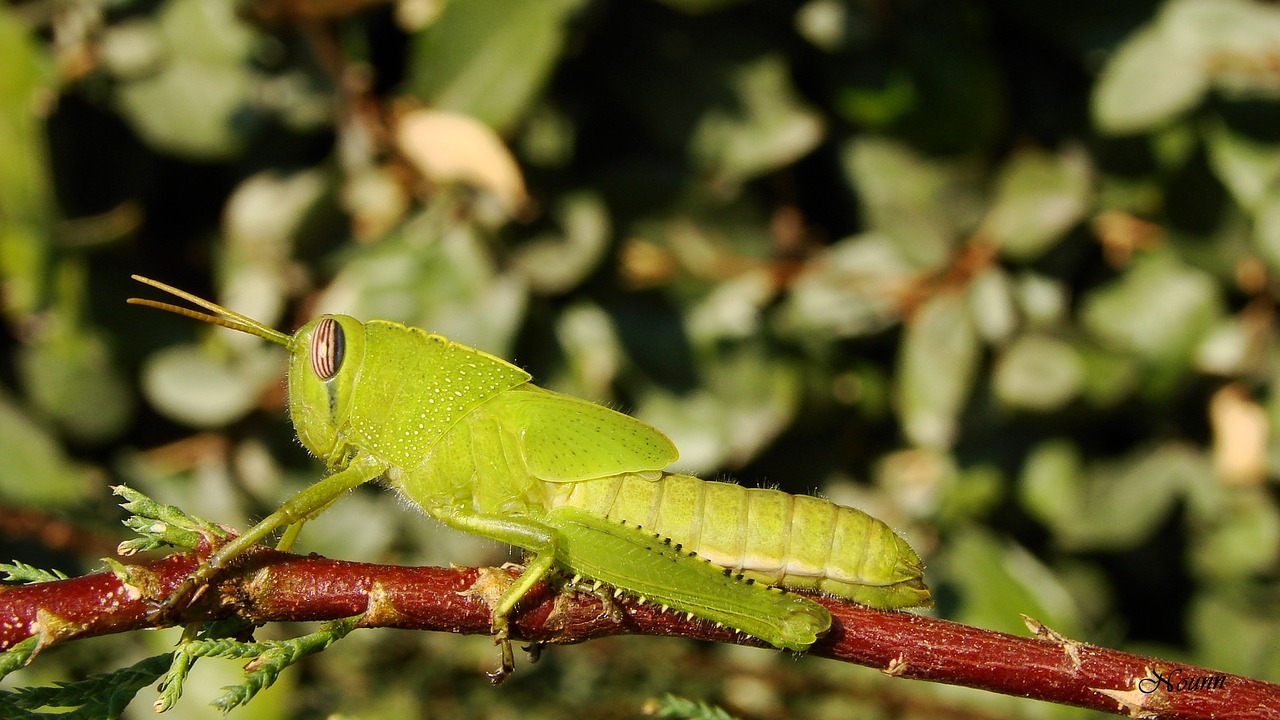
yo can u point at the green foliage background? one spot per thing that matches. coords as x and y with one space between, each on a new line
1001 273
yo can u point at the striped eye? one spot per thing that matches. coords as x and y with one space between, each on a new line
327 343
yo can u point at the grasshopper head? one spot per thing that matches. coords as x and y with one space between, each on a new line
324 360
325 357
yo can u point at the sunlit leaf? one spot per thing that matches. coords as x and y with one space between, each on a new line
764 126
853 288
1039 196
593 352
1153 77
194 104
1038 372
937 364
992 303
436 276
921 205
197 389
1166 67
1000 582
1159 309
1250 169
1107 505
558 263
749 399
260 222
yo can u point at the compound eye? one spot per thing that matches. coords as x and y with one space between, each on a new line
327 345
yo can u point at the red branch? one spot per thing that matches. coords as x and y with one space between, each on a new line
271 586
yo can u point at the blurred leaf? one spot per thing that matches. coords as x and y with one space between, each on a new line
26 193
921 205
488 58
1247 167
1039 373
549 138
1154 76
72 378
766 126
448 147
1236 633
200 476
593 352
1235 37
851 288
822 23
191 386
556 264
376 199
1266 230
260 221
1052 484
991 302
67 367
878 108
360 526
999 582
1227 349
193 104
1240 540
1109 376
36 471
1106 505
937 364
435 275
926 483
1165 68
1043 300
1038 197
732 311
671 706
748 399
1159 309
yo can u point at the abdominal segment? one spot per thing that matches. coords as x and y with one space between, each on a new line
792 541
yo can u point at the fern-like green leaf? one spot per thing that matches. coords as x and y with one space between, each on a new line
672 706
98 697
277 656
28 574
18 655
160 524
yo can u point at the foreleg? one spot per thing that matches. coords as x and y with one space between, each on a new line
295 510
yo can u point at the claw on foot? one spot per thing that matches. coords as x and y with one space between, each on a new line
502 640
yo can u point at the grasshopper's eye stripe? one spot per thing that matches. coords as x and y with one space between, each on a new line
327 344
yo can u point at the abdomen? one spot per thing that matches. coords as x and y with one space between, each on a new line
792 541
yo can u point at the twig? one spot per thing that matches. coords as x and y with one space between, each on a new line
271 586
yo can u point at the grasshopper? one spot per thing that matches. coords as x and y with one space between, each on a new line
468 439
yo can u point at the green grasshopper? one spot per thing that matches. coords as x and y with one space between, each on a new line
468 439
